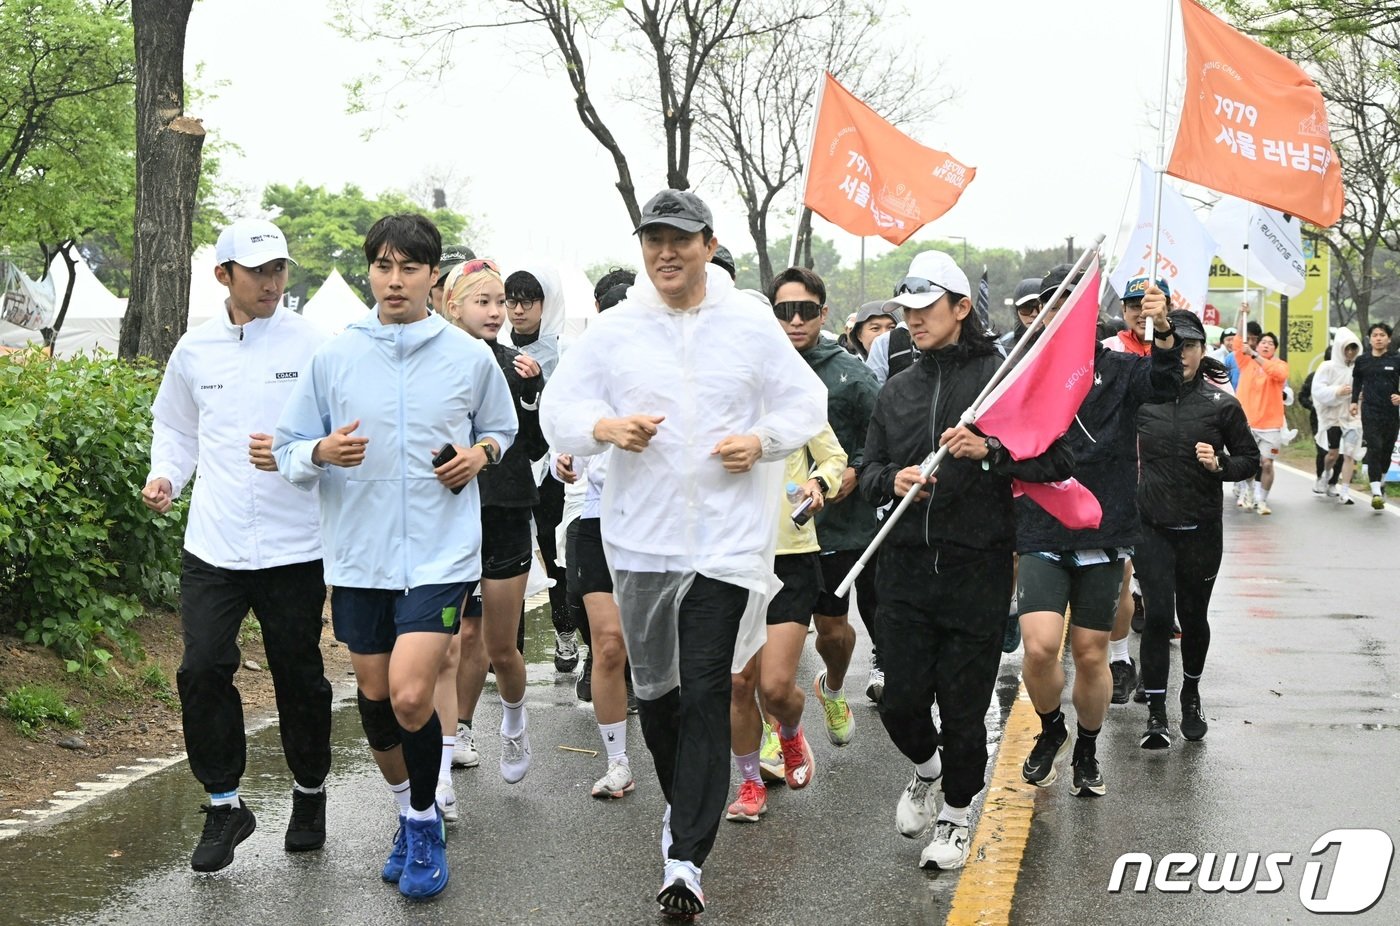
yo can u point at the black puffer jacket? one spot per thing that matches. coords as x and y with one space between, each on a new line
969 511
1175 490
1103 437
511 483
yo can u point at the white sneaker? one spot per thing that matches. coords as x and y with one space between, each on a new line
1320 486
1263 508
1344 496
447 800
875 685
464 754
948 850
616 783
1332 491
666 835
680 893
917 806
515 756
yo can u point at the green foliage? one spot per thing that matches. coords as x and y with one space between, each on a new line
78 550
31 706
326 231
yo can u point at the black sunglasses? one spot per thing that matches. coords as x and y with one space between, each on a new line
786 310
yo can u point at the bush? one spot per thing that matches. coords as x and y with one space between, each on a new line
79 552
30 706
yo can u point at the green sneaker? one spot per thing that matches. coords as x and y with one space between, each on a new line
770 756
840 722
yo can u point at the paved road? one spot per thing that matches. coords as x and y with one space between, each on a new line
1302 691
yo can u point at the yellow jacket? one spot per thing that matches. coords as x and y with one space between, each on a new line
822 456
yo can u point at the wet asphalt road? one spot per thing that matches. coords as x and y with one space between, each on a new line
1302 691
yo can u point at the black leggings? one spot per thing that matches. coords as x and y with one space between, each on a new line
1177 570
1379 429
548 513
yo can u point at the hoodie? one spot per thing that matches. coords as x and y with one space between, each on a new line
388 523
1333 406
544 345
851 389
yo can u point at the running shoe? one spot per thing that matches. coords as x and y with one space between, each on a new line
1139 693
1157 735
1085 778
583 688
948 850
1320 485
515 756
225 826
1245 500
425 869
464 754
680 893
798 762
1050 746
1377 502
565 652
875 684
306 830
616 783
1332 490
1193 719
1263 508
1011 637
917 806
398 854
770 756
447 800
1139 619
751 803
840 722
1124 678
1344 496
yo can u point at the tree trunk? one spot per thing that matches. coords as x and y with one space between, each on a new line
66 250
804 239
168 146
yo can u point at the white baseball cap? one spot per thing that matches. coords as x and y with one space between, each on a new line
931 274
252 243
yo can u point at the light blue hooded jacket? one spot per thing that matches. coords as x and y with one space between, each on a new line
389 523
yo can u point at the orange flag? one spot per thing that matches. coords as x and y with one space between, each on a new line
869 178
1253 124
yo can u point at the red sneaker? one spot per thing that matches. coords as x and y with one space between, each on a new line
797 760
751 803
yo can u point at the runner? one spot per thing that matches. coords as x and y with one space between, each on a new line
477 304
1026 302
695 388
945 569
1132 339
1338 430
1078 573
872 320
1260 391
251 541
378 404
1375 390
1188 448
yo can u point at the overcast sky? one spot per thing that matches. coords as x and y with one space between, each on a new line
1055 102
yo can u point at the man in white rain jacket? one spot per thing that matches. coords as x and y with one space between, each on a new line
703 398
372 421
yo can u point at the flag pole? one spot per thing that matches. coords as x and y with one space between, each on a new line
1161 166
807 168
933 460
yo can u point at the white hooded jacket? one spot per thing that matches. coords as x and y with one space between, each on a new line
1332 406
547 348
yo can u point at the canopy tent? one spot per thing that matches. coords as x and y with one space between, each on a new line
334 306
93 320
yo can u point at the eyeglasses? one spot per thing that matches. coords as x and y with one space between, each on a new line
525 304
807 310
917 285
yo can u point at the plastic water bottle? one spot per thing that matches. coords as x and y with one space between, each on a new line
800 512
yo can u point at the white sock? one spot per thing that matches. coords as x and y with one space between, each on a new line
614 740
449 743
512 717
429 814
401 797
748 767
958 815
1262 496
224 799
930 769
305 790
831 692
1118 650
1375 488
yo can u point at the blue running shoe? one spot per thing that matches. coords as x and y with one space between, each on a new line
425 872
393 865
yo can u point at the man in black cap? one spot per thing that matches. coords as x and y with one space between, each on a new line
696 390
452 256
1026 302
725 261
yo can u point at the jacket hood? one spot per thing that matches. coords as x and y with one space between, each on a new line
718 288
414 334
822 351
1340 340
552 319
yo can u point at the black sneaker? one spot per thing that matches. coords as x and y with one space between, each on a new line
224 828
1139 620
1050 746
584 686
1139 693
1156 736
1011 638
1124 680
1086 778
565 652
1193 719
307 828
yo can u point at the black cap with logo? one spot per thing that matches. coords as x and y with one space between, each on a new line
677 208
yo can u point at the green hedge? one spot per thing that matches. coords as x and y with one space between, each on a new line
79 552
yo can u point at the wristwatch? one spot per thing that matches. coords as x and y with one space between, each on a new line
826 489
493 456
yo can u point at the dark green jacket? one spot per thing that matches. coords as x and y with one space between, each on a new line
850 389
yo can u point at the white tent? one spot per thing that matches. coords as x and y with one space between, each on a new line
334 306
94 318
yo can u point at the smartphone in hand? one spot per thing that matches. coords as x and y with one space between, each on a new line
447 454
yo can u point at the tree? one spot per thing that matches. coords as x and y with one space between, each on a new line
326 231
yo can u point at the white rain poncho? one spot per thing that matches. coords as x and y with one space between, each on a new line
672 511
547 348
1333 406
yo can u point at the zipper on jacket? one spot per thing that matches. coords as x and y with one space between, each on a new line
254 555
933 439
403 456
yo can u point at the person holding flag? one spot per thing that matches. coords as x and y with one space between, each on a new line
1133 338
1078 573
945 573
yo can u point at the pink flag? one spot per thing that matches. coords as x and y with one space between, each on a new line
1034 405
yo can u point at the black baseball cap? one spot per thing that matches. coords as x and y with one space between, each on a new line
724 259
1028 290
452 255
1054 278
677 208
1186 325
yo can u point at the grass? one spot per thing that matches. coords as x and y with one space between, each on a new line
32 706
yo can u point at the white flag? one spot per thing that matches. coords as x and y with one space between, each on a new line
1260 244
1185 247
